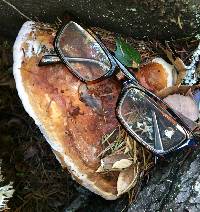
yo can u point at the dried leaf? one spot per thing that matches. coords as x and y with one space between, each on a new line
169 54
185 91
127 179
178 64
184 105
182 89
122 164
165 92
180 67
100 169
126 150
108 162
134 64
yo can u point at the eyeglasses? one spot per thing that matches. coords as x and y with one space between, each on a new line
145 117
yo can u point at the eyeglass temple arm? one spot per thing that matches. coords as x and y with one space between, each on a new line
54 59
49 59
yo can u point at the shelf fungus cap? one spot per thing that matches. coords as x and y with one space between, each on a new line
67 116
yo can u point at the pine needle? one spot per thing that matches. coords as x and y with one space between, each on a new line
16 9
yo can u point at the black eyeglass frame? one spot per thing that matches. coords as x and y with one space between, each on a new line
128 84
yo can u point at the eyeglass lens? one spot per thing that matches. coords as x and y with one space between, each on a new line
83 53
147 122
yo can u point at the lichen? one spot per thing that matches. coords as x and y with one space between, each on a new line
191 76
6 192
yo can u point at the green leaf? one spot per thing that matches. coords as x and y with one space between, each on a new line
126 54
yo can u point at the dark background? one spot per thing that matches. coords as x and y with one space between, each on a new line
156 19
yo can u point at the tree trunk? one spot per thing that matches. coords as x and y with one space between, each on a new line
156 19
173 187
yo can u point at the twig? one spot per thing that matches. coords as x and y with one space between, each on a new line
15 8
195 58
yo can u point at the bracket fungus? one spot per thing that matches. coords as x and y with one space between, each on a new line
73 117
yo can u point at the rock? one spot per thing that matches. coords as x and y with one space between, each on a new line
173 187
139 18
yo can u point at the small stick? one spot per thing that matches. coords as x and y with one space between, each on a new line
15 8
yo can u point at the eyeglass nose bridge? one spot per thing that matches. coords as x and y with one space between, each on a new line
124 70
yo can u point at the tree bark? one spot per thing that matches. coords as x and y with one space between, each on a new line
173 187
156 19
